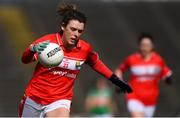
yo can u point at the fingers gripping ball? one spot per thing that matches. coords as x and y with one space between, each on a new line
40 46
51 56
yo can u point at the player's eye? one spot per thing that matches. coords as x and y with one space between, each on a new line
80 31
73 29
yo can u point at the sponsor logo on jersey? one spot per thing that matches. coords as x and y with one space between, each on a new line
68 67
71 64
61 73
64 73
71 75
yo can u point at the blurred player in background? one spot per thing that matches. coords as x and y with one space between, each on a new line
50 91
147 68
99 101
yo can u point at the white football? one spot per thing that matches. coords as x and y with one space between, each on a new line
51 56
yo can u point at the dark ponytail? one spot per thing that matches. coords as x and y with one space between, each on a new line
70 12
63 9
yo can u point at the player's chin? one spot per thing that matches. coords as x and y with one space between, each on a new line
73 43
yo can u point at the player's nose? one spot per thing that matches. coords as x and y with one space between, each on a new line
76 34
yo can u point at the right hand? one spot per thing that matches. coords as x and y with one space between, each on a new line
40 46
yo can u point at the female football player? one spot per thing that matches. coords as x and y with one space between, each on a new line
147 68
49 92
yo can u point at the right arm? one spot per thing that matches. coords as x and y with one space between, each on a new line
31 52
28 56
120 70
124 66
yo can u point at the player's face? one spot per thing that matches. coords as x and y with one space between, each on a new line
72 32
146 46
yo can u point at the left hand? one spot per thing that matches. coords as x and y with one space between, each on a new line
120 83
168 80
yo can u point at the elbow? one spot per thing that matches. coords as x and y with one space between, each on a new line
24 61
27 56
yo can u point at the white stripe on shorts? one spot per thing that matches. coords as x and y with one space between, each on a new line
137 106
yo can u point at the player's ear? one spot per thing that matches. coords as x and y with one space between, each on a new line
62 26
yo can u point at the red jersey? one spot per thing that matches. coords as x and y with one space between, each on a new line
51 84
145 76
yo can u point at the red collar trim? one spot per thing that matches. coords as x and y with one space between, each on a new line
59 40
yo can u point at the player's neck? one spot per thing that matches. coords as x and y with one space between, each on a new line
66 45
146 56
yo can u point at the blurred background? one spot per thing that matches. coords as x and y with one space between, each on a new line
113 27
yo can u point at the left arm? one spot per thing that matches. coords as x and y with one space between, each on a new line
166 74
94 61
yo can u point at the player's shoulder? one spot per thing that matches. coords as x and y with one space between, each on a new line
134 55
85 45
157 56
